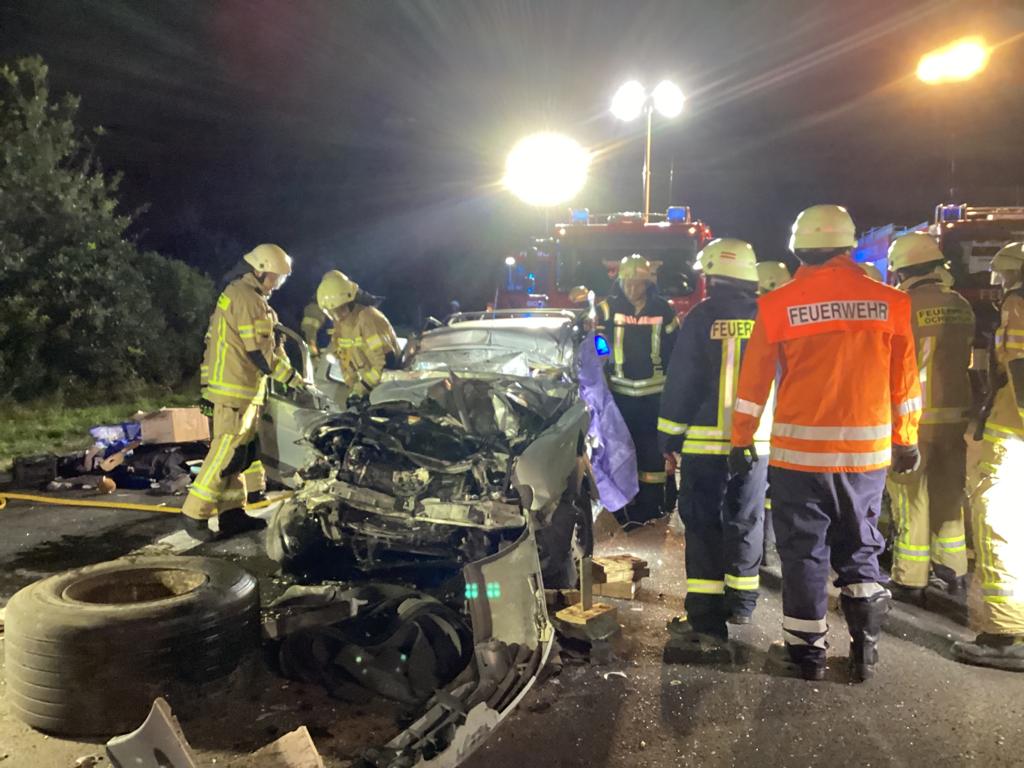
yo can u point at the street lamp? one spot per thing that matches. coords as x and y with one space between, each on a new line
633 100
546 169
956 62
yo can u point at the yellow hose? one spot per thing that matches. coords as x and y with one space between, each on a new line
4 496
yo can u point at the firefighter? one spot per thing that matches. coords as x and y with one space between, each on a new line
848 405
242 352
362 338
927 504
771 275
872 271
642 327
995 485
723 514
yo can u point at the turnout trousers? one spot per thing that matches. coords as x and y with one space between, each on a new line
231 467
927 509
641 417
724 519
822 520
995 485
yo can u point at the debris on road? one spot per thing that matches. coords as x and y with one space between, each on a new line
158 743
293 750
619 576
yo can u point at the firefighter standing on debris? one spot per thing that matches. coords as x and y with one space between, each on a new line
927 504
242 353
642 327
362 338
847 406
723 513
996 486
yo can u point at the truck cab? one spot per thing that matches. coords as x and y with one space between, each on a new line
587 250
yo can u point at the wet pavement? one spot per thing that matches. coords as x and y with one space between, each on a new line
922 709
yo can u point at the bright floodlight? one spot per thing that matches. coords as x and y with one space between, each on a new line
510 261
960 60
668 99
546 169
628 102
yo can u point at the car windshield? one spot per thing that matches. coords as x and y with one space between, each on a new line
518 346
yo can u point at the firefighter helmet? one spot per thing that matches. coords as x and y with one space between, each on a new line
871 271
335 290
269 258
770 275
728 257
1007 265
823 227
635 267
914 249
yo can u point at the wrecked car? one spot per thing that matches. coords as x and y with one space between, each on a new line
467 466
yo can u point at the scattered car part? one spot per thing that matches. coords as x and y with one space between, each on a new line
293 750
89 649
158 743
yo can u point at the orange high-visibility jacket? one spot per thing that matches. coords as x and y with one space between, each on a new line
843 349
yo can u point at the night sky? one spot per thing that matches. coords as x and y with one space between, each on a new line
370 135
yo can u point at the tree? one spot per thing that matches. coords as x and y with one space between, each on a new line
79 304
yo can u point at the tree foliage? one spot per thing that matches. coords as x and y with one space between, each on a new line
79 303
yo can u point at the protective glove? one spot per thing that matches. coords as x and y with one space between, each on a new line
741 460
905 459
205 407
671 462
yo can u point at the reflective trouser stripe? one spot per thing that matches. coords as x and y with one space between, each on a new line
862 591
705 587
211 492
653 477
810 632
742 582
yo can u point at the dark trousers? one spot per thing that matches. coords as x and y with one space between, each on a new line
724 519
824 519
641 416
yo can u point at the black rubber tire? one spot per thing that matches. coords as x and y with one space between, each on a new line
84 661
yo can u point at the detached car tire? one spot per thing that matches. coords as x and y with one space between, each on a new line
88 650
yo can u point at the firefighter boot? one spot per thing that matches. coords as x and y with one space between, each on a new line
804 661
232 522
996 651
198 529
905 594
864 618
687 645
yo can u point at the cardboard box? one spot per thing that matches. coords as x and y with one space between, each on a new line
173 425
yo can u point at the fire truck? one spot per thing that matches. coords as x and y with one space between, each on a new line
969 237
587 250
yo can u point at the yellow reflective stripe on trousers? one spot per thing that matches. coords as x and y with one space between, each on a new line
949 544
705 587
618 352
255 468
744 583
653 477
656 347
995 432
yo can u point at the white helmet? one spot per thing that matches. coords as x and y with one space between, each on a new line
913 249
269 258
823 227
728 257
1007 266
770 275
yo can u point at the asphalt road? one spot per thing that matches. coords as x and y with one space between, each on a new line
923 709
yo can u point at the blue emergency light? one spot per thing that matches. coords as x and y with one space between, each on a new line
601 346
580 215
952 212
678 214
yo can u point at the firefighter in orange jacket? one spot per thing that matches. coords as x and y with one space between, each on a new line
848 405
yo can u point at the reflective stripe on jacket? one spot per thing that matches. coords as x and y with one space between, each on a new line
943 324
641 343
362 340
1006 422
703 374
242 322
842 346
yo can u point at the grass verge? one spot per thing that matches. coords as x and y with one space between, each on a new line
60 424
